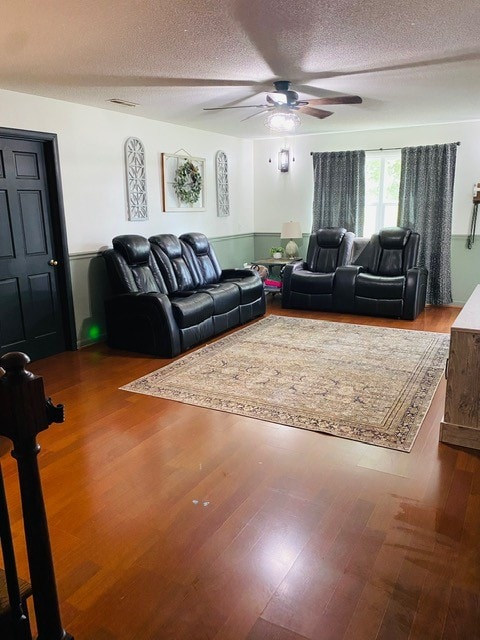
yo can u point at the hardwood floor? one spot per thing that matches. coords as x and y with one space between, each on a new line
296 535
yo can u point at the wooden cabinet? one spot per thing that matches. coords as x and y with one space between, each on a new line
461 421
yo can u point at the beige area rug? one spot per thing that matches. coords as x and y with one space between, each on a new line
364 383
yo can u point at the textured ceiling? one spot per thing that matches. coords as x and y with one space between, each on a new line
412 63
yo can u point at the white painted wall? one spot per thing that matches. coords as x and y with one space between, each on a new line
279 197
91 146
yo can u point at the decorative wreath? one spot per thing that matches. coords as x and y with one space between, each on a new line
188 182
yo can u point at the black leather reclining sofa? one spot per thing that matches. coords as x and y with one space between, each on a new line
341 273
170 294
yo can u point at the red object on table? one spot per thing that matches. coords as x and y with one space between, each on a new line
273 283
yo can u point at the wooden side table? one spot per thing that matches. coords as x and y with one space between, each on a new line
271 263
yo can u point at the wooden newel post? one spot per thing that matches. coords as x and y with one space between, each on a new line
24 413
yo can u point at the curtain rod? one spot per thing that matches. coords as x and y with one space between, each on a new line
386 149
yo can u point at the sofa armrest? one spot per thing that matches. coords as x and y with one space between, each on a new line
287 272
142 322
344 288
293 266
415 292
238 274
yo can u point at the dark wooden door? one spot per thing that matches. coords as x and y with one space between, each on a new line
30 309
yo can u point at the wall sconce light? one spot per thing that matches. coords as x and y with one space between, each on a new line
284 160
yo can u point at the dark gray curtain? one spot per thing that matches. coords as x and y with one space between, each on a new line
425 205
339 190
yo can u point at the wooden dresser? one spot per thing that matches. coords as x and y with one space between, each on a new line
461 421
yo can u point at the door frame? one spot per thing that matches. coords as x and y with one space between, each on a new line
57 217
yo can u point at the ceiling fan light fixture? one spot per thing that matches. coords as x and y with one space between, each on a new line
282 121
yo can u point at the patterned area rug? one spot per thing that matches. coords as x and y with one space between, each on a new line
364 383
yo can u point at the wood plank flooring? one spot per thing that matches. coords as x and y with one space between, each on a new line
173 522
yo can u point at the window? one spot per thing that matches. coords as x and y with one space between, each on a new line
382 183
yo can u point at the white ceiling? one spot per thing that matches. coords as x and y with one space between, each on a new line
412 63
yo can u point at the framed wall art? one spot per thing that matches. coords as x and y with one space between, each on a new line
136 179
183 179
223 197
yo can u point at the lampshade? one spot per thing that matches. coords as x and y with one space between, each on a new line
291 230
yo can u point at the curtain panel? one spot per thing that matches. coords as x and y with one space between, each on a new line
425 205
339 190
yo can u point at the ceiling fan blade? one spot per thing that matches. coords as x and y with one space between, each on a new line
325 75
245 106
279 99
254 115
337 100
289 34
316 113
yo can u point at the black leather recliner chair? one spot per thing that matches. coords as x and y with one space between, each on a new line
310 284
159 304
384 280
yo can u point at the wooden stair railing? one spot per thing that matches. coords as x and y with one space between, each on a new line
14 623
24 412
12 626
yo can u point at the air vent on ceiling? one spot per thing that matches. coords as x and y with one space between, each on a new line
124 103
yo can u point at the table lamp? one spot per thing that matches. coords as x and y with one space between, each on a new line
291 230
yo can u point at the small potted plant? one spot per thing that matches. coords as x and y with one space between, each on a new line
276 252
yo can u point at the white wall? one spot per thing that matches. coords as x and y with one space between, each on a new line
288 196
91 146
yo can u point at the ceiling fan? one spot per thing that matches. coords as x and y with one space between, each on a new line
282 104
